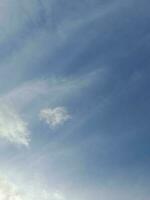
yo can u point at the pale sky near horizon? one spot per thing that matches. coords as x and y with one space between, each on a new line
74 100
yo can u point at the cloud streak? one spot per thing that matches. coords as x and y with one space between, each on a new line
54 89
25 93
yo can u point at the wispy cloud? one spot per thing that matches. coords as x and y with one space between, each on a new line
26 93
55 116
12 127
54 89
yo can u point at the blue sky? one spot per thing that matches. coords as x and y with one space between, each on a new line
74 100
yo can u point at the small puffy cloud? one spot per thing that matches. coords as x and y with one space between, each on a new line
12 127
55 116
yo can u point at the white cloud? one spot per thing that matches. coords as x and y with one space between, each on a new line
8 191
55 116
12 128
16 191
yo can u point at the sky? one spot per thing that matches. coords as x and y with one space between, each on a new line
74 100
